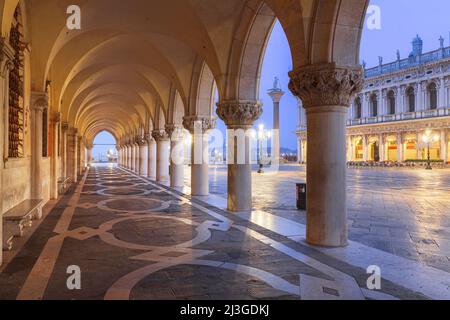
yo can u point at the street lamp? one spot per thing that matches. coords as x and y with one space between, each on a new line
429 139
262 136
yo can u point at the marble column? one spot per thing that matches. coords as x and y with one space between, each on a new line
72 140
365 148
176 155
64 129
400 147
129 156
162 155
444 145
239 117
152 154
326 91
198 126
299 151
55 165
349 148
39 102
143 157
276 94
89 154
80 155
381 143
135 155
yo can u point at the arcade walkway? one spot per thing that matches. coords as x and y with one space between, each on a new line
134 239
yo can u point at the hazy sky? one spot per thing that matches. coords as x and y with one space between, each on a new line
401 20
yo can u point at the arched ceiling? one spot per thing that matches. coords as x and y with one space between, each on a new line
118 73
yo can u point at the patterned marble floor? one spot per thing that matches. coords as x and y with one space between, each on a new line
134 239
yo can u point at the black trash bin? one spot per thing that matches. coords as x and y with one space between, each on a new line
301 196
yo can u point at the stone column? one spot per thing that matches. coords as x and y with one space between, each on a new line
55 121
299 150
152 154
64 129
39 102
441 97
89 154
198 126
400 147
72 140
276 94
129 156
349 148
365 148
326 91
162 155
444 145
80 155
239 117
382 152
176 155
143 157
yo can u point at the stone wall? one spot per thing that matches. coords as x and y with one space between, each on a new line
16 182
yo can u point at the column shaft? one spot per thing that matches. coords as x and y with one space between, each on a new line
152 154
326 91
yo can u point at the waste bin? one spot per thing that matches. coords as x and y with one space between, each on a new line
301 196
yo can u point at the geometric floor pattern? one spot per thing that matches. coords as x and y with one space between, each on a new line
135 239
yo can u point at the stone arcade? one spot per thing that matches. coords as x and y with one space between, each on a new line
145 80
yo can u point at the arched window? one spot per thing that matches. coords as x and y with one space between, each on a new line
391 102
411 98
374 105
16 110
358 108
432 96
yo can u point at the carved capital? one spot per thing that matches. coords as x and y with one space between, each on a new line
160 135
56 117
141 141
326 84
239 113
39 101
148 137
190 123
174 131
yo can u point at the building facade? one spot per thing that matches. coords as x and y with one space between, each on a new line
401 102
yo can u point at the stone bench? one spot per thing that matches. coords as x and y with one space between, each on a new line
18 218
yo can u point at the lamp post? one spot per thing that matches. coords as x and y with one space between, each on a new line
429 139
262 136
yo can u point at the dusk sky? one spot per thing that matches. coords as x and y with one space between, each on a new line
401 20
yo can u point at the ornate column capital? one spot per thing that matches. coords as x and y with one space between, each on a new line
160 135
64 126
56 117
72 131
174 131
326 84
141 141
39 101
204 123
239 113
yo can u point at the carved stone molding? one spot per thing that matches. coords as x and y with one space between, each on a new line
160 135
6 57
326 84
39 101
239 113
174 131
141 141
56 117
203 123
149 138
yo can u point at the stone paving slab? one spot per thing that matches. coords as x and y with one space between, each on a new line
394 210
160 244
